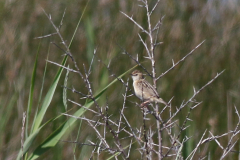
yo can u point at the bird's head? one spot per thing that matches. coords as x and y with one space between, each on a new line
136 75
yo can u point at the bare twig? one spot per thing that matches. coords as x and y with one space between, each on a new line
69 69
45 36
139 26
175 64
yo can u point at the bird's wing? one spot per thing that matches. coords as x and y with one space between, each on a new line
149 88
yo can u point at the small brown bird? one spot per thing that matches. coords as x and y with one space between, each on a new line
144 90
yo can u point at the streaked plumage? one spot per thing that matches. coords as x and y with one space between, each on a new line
143 89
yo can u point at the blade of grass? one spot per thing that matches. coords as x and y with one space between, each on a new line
75 31
48 98
40 95
90 38
30 97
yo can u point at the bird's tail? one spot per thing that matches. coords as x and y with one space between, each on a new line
160 100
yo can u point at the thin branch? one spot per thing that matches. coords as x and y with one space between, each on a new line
175 64
139 26
45 36
61 23
154 7
69 69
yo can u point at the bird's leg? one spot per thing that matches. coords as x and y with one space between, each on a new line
144 103
144 106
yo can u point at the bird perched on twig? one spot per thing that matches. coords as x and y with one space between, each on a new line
145 90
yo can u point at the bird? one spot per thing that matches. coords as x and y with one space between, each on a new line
144 90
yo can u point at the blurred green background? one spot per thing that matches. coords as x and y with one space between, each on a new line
185 25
